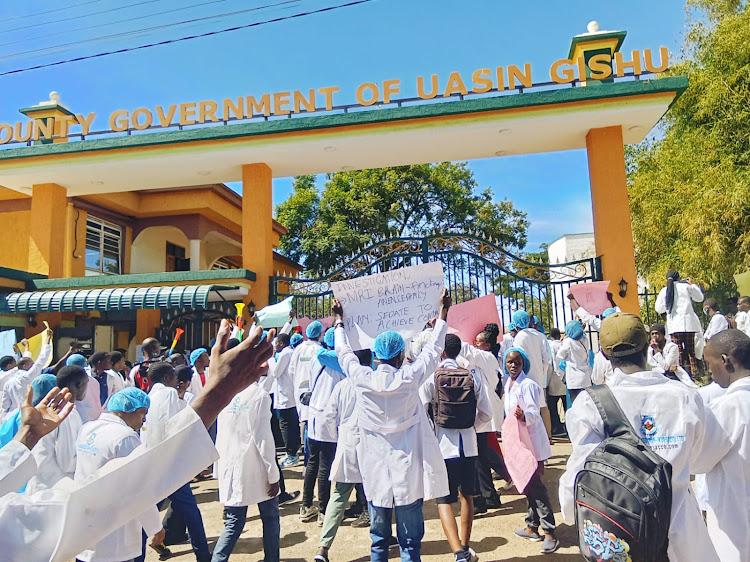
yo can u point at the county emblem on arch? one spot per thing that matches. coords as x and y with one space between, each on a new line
603 545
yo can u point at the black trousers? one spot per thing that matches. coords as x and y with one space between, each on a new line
557 425
278 438
289 424
487 459
540 508
318 467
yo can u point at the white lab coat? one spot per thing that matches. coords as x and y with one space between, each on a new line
523 392
661 361
728 482
90 407
718 323
57 524
55 454
415 348
707 393
455 441
14 390
283 384
247 453
743 321
400 458
341 417
99 442
575 353
592 321
115 383
165 403
602 372
536 349
682 318
505 345
196 384
299 369
488 368
322 382
556 386
683 430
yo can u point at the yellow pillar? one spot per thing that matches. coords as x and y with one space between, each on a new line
146 323
257 229
47 229
609 198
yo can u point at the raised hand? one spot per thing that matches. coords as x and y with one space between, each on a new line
445 303
338 310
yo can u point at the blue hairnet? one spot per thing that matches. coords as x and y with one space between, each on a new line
511 327
574 330
608 312
328 338
128 400
76 359
540 328
314 330
563 365
41 387
295 340
522 353
536 320
388 344
521 319
196 353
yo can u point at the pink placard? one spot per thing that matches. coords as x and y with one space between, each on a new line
592 296
519 457
469 318
305 321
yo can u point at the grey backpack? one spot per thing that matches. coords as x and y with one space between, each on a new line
623 495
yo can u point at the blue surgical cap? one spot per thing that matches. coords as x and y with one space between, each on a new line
196 353
76 359
314 330
574 330
511 327
296 340
328 338
536 320
128 400
563 365
41 387
608 312
388 344
522 353
521 319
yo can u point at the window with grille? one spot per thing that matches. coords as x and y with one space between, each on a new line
103 246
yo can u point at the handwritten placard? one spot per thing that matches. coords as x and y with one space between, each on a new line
518 454
7 341
469 318
402 300
743 283
592 296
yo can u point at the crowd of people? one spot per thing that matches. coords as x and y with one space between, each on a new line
399 424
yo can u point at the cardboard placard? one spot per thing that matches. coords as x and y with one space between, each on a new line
592 296
469 318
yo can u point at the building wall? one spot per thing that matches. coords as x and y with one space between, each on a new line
14 250
572 247
149 250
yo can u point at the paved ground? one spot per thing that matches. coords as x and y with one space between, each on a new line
492 536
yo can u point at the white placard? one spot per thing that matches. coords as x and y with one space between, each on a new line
402 300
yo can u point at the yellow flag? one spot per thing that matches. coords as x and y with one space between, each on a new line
36 342
743 283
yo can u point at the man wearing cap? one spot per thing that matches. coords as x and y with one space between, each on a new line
669 417
400 461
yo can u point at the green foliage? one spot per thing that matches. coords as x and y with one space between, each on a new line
690 190
357 207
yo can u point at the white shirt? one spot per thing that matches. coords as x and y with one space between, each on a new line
575 353
593 322
99 442
55 454
488 368
602 372
341 417
661 361
524 392
299 369
718 323
728 482
682 431
165 403
682 318
400 458
419 342
283 384
114 384
506 344
556 386
90 407
14 390
247 453
17 467
707 393
455 441
322 382
536 349
196 385
743 321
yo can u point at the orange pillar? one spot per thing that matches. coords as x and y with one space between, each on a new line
609 199
47 229
257 229
147 321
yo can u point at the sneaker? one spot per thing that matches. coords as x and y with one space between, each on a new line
322 555
493 503
550 545
307 514
471 555
163 551
363 520
321 518
353 511
289 461
480 505
525 533
286 497
508 485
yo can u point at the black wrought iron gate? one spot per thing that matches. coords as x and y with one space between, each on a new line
473 267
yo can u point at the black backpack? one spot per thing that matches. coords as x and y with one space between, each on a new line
455 399
623 495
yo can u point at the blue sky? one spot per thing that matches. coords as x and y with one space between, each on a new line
379 40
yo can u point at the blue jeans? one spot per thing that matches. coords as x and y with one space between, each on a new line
183 502
269 515
409 531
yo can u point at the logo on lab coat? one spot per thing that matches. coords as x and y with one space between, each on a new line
648 426
605 546
88 447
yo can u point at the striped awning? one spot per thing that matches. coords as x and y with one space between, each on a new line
119 298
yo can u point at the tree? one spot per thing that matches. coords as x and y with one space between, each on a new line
690 189
357 207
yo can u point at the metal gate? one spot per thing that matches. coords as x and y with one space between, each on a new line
473 265
200 324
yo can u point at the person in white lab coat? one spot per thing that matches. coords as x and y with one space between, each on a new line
574 350
74 517
115 435
247 471
400 460
508 338
743 315
108 382
728 482
556 389
55 454
521 401
90 406
460 451
283 398
664 357
26 371
601 371
676 300
708 394
717 321
670 418
199 360
536 347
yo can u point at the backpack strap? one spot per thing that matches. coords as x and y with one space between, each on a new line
615 422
